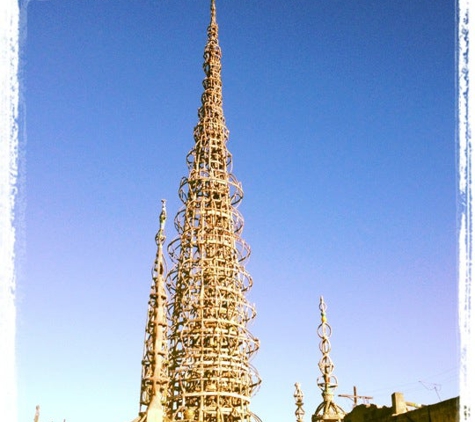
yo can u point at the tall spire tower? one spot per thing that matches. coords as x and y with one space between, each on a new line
154 383
328 410
211 378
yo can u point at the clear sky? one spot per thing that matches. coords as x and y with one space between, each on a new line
342 126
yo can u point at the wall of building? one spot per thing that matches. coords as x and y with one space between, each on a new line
445 411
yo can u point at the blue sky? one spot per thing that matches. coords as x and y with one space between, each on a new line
342 122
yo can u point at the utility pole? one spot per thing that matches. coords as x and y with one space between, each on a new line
355 397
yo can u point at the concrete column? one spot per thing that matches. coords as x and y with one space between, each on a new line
399 404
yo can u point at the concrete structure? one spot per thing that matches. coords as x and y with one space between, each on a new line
401 410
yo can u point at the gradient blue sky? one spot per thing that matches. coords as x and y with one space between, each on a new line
342 123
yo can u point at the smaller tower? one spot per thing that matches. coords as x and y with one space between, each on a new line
298 396
153 391
328 410
37 414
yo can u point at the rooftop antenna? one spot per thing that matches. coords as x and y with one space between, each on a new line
432 386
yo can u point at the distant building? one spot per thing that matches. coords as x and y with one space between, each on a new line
445 411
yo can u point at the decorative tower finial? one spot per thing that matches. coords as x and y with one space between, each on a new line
298 396
37 414
328 410
153 391
211 378
213 12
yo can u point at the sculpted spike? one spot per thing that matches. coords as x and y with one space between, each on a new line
328 410
298 396
213 11
154 384
211 378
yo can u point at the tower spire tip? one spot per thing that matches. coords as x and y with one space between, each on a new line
163 214
213 11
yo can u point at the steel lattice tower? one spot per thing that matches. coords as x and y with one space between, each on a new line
210 347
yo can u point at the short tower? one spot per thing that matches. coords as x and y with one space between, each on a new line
328 410
298 396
